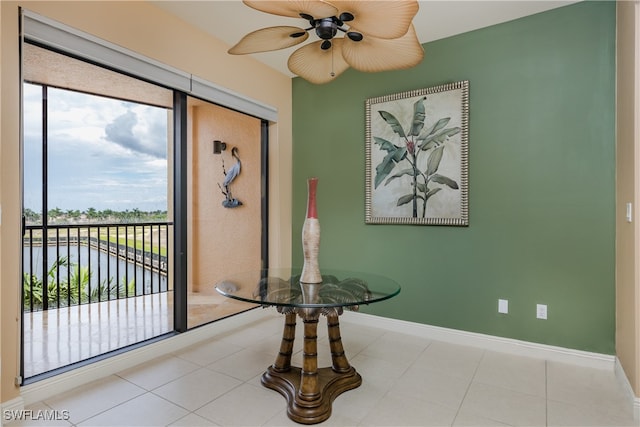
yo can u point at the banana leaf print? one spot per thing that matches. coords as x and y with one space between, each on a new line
416 151
417 156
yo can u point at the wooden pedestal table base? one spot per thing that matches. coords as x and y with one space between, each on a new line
310 390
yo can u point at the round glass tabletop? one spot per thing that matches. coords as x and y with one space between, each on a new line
282 287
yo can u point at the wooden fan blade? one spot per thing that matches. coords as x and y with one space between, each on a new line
267 39
373 54
382 19
316 8
315 64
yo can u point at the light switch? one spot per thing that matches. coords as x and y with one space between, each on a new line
629 212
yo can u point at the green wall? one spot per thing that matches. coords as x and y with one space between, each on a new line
541 182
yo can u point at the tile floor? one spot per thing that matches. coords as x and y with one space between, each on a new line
406 382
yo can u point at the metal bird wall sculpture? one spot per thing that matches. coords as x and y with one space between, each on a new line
229 176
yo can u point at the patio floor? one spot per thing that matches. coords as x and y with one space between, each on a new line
61 337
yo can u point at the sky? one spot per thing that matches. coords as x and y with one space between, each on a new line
102 153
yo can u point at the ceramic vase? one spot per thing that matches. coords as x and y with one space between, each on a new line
311 237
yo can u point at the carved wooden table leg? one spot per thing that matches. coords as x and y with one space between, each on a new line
283 360
311 390
338 359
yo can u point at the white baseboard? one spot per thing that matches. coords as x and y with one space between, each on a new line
65 381
488 342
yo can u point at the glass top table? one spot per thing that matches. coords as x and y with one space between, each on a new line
282 288
309 390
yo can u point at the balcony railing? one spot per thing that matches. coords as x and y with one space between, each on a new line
65 265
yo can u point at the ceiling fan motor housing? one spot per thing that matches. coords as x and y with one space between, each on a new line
327 28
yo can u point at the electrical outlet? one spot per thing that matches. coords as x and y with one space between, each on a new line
541 311
503 306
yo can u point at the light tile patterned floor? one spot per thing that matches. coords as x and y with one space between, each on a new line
407 382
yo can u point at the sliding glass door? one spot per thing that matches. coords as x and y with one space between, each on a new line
129 216
96 218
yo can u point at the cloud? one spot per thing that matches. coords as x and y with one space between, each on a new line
121 132
102 153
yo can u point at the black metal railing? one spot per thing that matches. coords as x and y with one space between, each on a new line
65 265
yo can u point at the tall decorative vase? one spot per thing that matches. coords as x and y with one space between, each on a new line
311 237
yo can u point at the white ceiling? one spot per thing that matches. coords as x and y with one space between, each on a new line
230 20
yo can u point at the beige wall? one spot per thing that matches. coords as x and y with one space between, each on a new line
150 31
628 191
9 202
2 167
222 241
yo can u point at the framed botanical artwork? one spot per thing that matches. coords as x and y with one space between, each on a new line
417 157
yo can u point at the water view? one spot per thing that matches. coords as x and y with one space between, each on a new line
93 263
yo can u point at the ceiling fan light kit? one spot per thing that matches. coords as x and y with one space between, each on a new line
376 36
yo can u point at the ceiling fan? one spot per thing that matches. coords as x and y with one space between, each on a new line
375 36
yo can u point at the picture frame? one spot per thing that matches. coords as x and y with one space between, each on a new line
417 157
